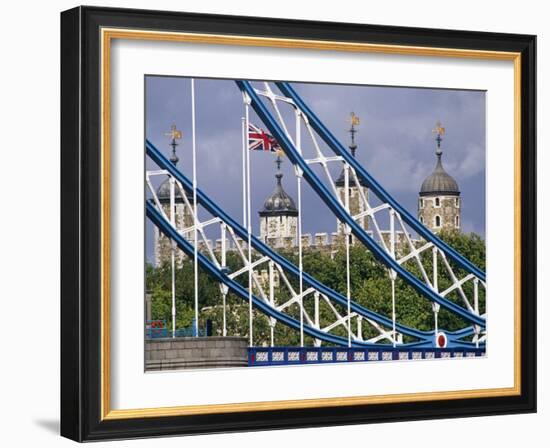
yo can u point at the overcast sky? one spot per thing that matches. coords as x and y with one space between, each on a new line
395 142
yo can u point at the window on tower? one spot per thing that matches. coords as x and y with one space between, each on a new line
437 202
457 221
437 220
422 219
457 202
421 203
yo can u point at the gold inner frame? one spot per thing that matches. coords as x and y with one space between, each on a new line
107 35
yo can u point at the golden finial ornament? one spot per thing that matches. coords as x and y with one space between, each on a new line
174 134
439 130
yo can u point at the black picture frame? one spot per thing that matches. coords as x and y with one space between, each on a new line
81 210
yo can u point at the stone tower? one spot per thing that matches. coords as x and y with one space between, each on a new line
183 215
439 198
279 215
356 204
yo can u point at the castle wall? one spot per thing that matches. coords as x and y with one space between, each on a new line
278 226
356 205
401 243
448 212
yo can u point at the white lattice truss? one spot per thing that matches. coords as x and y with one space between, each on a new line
397 225
267 294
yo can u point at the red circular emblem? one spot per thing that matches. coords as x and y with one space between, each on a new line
441 340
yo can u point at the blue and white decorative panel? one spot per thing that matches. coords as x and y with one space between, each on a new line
262 356
312 356
293 356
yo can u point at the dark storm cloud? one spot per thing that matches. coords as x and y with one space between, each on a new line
395 139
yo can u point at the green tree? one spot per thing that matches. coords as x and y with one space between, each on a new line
370 287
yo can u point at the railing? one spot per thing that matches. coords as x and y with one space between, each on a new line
267 356
157 329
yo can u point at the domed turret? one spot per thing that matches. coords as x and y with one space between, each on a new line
439 182
279 215
439 196
279 202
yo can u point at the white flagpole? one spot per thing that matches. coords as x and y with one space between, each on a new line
249 228
272 302
347 235
223 287
245 144
300 253
435 306
173 254
476 308
195 217
392 273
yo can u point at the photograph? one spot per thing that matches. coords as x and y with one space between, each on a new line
308 223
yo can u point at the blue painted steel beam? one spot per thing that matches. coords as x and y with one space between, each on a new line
264 249
341 213
165 227
373 185
424 336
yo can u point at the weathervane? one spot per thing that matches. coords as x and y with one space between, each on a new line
174 134
354 120
439 131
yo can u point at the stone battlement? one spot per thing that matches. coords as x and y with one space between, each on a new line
321 241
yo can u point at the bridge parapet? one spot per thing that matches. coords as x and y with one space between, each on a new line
262 356
195 353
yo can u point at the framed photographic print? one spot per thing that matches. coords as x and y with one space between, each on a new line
272 224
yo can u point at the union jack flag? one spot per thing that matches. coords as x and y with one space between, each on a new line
259 140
